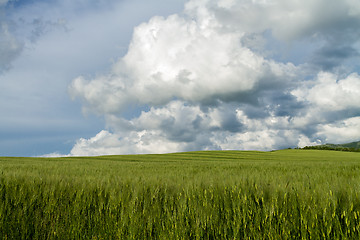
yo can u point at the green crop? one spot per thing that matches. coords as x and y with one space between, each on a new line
288 194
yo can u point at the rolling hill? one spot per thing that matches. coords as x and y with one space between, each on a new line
351 147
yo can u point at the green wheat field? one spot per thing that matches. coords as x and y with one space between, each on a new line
287 194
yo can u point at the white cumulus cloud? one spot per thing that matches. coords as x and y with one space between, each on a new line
180 58
202 83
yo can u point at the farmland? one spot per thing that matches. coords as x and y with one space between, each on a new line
287 194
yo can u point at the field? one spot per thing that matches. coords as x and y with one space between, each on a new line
287 194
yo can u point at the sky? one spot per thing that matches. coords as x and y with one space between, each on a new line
97 77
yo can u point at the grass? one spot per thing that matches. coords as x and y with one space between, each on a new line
288 194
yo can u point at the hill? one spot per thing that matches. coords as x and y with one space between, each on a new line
349 147
355 145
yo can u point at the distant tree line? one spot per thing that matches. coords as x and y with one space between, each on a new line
333 147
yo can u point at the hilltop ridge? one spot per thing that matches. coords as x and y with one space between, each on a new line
350 147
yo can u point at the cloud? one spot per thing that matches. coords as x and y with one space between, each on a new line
180 127
18 33
347 130
3 2
330 28
289 20
57 41
10 45
203 83
329 57
106 143
329 99
198 63
333 94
